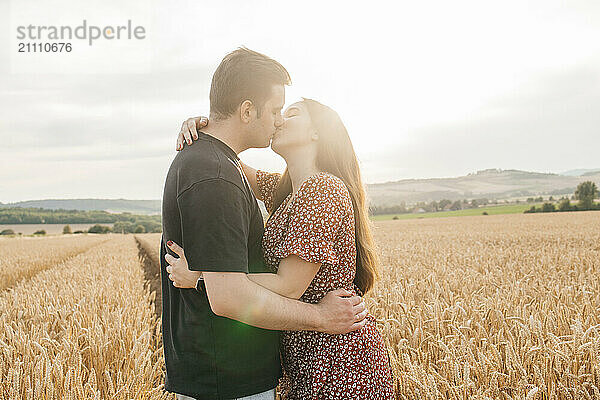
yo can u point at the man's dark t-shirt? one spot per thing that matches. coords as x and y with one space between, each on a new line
209 209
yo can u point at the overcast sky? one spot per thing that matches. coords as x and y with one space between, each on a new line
425 88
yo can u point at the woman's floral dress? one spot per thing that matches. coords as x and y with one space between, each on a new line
318 226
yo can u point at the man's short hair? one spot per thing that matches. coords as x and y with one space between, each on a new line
243 75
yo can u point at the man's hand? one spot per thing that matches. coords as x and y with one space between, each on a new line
189 130
178 270
341 312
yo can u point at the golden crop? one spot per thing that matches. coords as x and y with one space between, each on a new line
21 258
485 307
82 329
497 307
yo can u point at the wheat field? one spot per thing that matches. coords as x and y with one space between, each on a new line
497 307
24 257
84 328
482 307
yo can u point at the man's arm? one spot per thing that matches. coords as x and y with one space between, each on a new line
233 295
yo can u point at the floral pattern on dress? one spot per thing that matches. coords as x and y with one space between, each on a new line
317 224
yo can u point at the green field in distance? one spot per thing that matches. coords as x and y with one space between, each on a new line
491 210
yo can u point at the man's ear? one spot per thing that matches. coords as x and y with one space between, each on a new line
246 111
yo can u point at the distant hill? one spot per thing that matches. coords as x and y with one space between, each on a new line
489 183
591 173
581 172
145 207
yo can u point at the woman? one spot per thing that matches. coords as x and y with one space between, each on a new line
317 239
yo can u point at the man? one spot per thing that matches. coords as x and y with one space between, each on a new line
221 339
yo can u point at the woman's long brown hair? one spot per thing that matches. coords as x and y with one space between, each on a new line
335 155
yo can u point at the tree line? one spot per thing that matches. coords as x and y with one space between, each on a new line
442 205
585 193
122 223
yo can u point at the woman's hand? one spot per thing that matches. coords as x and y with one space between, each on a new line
178 270
189 130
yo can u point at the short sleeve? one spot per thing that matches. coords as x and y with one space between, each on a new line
267 185
215 221
319 210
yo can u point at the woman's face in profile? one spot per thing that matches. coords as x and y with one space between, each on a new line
295 132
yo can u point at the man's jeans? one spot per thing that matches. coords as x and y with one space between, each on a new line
268 395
